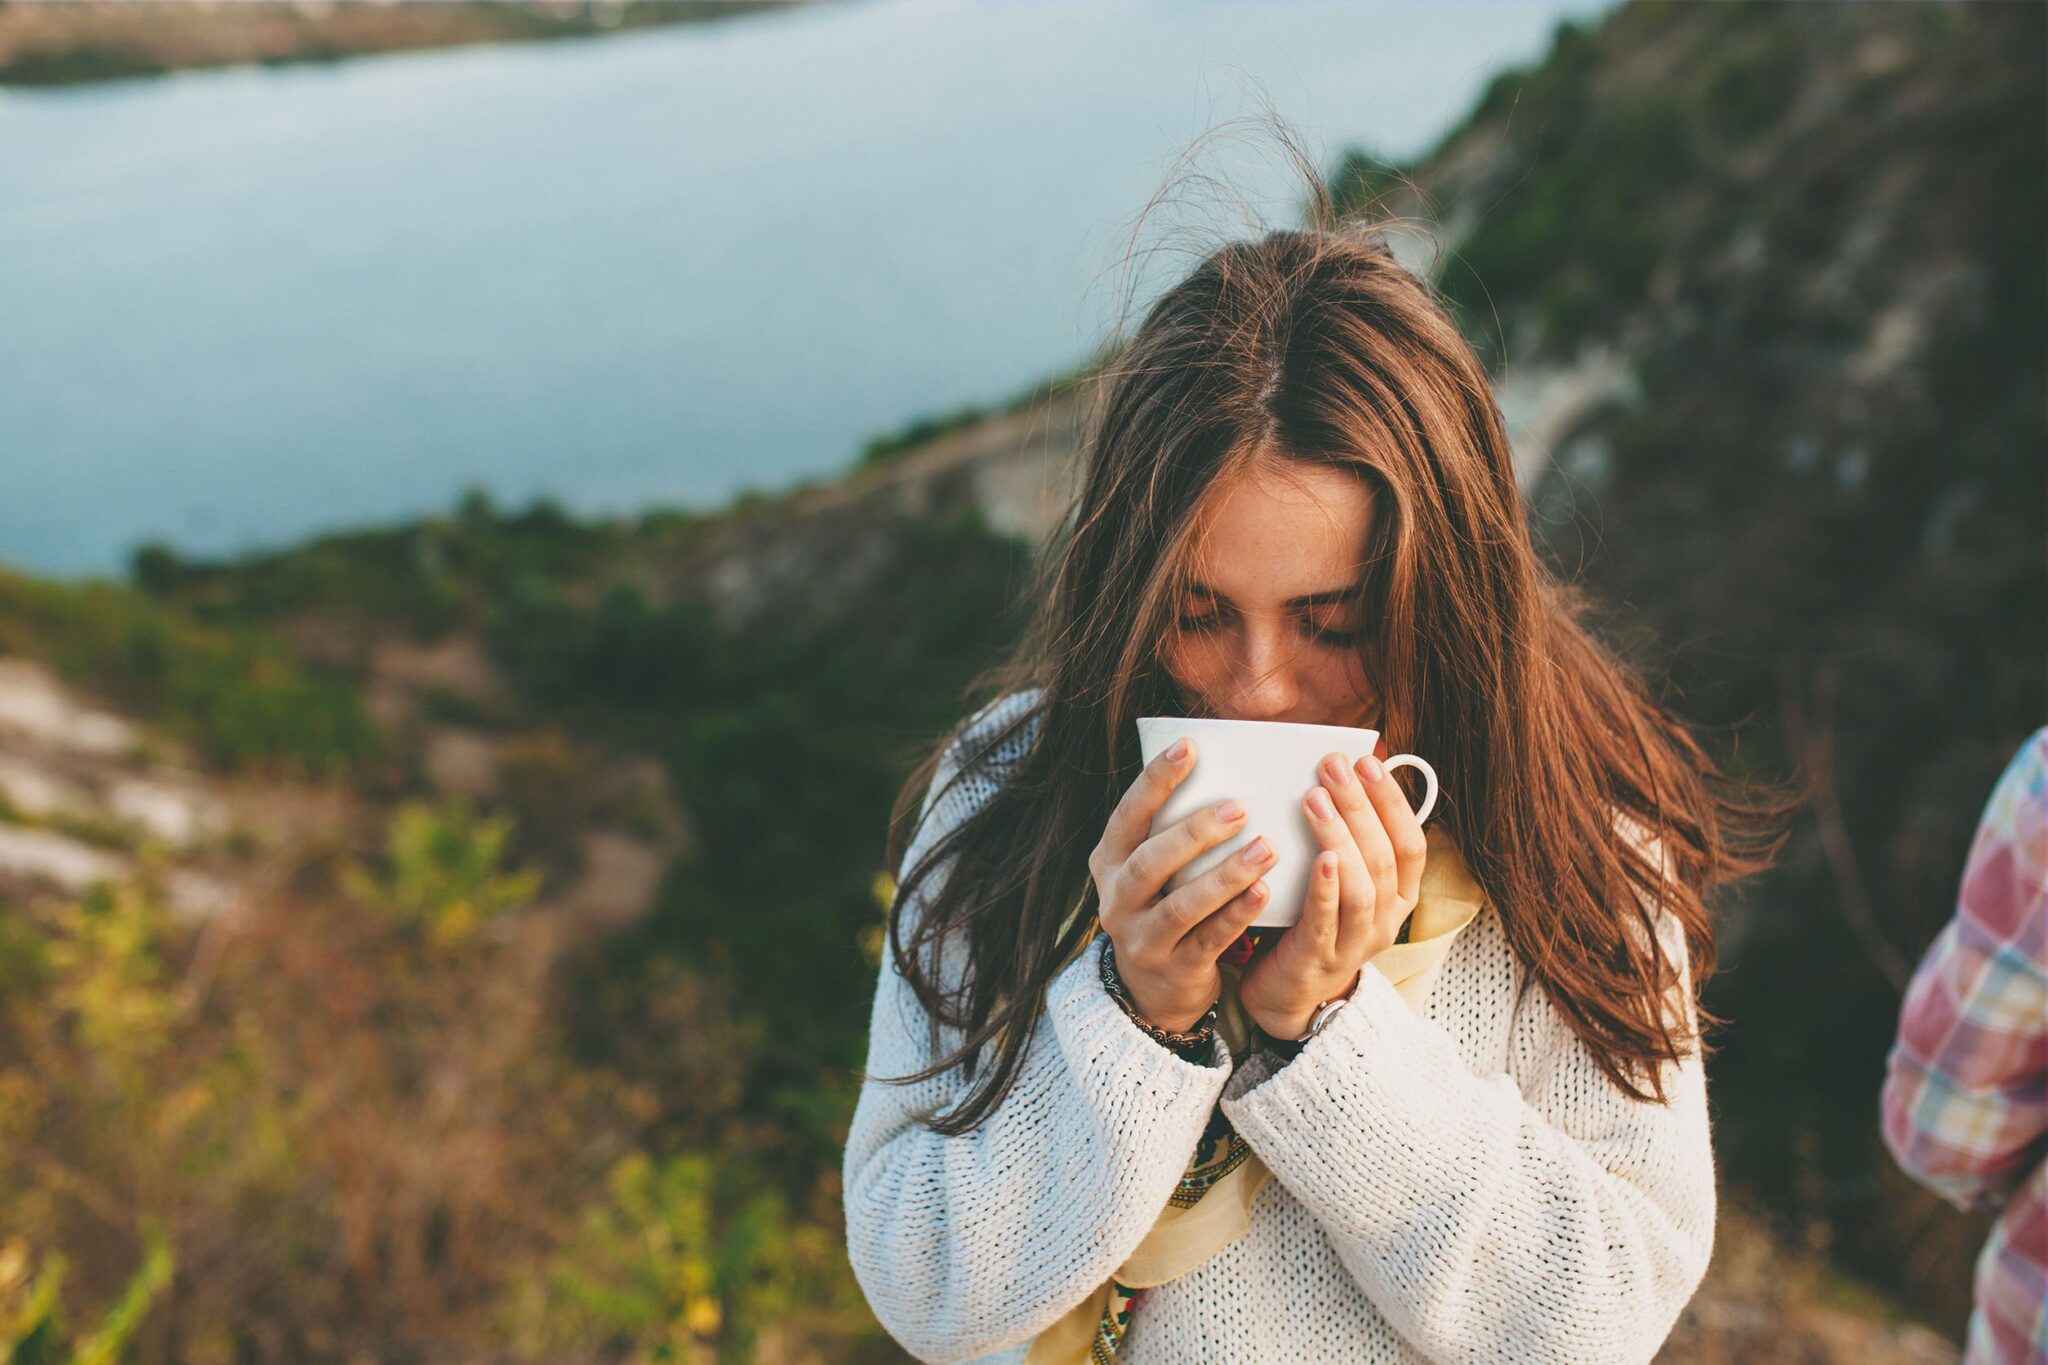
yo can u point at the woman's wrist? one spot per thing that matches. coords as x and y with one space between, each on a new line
1191 1043
1302 1028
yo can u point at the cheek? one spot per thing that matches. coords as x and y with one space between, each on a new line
1335 677
1198 666
1347 678
1183 660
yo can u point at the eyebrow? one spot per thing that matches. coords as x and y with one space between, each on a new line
1313 599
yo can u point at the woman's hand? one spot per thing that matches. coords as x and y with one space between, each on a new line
1360 890
1166 949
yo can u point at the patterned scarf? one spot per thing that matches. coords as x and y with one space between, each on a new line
1211 1206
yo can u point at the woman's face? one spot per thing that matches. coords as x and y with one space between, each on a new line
1247 646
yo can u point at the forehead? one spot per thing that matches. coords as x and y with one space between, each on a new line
1274 533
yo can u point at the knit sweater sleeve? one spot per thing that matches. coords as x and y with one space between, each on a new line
968 1244
1537 1214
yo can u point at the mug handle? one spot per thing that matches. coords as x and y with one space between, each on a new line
1428 773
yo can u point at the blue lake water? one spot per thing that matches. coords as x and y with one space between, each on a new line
656 267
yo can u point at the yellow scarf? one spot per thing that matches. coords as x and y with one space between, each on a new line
1190 1231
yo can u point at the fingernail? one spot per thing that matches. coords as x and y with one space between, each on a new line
1319 802
1334 767
1373 771
1327 866
1179 750
1230 809
1257 851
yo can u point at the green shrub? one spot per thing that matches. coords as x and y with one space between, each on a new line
443 871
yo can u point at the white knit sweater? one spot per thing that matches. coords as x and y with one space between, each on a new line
1457 1185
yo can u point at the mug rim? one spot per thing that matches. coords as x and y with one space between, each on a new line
1226 721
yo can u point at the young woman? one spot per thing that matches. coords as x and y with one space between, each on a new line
1299 505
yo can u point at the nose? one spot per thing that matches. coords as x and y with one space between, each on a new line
1264 671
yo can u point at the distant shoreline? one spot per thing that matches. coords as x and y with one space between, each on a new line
90 41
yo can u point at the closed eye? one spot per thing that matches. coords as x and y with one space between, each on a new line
1323 635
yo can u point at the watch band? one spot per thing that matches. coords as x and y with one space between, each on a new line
1327 1008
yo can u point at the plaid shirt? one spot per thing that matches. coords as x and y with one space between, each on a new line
1965 1102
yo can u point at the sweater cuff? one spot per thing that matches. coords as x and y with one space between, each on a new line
1376 1028
1108 1053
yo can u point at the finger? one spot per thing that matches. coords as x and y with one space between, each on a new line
1130 823
1411 844
1354 885
1361 814
1208 940
1154 862
1188 906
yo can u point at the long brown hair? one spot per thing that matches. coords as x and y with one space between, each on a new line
1317 344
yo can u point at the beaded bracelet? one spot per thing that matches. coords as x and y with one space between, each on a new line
1183 1042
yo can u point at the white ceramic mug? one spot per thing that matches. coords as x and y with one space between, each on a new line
1269 765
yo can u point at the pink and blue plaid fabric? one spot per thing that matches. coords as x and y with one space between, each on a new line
1965 1102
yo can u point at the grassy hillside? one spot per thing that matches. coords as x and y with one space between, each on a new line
1807 241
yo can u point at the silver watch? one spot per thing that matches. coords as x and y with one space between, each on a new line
1328 1008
